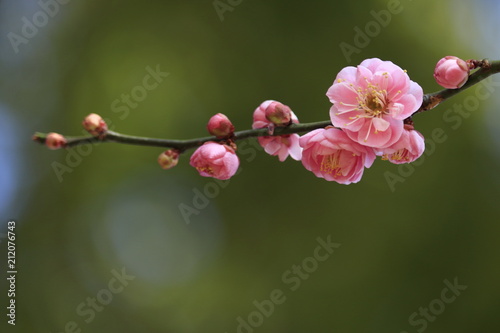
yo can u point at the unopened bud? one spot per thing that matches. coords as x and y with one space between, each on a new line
55 141
95 125
451 72
216 160
220 126
168 159
279 114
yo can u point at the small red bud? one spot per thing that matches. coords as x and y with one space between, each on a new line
95 125
279 114
55 141
220 126
168 159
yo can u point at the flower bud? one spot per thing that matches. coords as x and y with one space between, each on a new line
220 126
95 125
451 72
168 159
216 160
279 114
55 141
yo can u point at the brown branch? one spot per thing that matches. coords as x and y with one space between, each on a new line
430 101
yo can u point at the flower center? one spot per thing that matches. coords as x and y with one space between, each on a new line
331 164
373 101
400 155
207 169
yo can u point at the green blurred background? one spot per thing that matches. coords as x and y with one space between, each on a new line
113 211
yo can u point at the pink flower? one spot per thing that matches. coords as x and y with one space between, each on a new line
451 72
332 155
220 126
280 146
215 160
409 147
371 101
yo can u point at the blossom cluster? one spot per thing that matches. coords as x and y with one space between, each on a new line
370 104
371 111
370 116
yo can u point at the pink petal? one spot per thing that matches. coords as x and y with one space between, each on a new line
343 92
397 109
382 79
272 147
368 137
295 149
400 84
347 74
380 124
364 75
369 157
372 64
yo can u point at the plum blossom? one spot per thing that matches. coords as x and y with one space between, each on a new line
215 160
451 72
330 154
282 145
371 101
407 149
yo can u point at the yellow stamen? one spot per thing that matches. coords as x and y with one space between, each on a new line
331 164
206 169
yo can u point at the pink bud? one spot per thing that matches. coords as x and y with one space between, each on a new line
94 124
220 126
451 72
55 141
168 159
279 114
215 160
